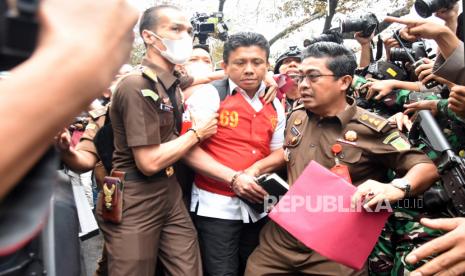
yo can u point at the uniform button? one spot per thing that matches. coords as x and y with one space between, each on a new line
341 155
312 145
318 125
254 151
254 115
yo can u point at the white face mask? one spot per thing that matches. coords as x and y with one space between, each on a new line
198 68
177 51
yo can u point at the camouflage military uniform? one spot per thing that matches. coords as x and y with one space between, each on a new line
454 129
403 232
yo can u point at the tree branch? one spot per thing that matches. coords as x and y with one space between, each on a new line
295 26
332 10
221 5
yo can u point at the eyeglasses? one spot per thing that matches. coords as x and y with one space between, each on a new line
312 77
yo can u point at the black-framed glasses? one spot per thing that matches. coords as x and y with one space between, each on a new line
313 77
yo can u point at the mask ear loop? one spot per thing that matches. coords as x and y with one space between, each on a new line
158 37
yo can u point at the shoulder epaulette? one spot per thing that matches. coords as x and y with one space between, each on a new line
372 121
149 73
98 112
296 106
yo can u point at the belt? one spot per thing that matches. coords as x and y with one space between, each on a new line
137 175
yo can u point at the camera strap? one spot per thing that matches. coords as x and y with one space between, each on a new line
463 24
379 48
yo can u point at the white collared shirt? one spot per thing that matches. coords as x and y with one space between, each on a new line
202 104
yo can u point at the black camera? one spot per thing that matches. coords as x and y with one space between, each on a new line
365 24
425 8
205 25
18 31
415 55
383 70
418 51
330 35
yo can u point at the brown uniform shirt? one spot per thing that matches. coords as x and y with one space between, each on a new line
377 147
141 113
97 119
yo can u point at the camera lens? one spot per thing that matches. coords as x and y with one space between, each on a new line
399 54
348 26
425 8
365 24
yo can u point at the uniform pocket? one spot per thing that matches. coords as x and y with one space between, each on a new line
349 154
165 117
292 141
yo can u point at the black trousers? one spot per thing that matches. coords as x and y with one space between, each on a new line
225 245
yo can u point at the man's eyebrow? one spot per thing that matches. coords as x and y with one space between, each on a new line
310 70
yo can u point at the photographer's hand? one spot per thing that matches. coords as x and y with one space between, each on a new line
390 43
400 120
448 250
99 31
431 76
425 69
457 100
365 55
378 88
418 28
81 44
431 105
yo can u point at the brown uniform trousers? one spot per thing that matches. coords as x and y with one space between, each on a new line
279 253
160 227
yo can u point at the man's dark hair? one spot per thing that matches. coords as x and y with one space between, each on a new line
150 18
341 61
245 39
203 47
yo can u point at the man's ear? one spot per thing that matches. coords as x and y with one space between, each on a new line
346 82
148 38
224 65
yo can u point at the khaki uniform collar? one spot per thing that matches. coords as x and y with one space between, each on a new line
343 117
167 78
349 113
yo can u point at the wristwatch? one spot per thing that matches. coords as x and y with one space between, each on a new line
402 184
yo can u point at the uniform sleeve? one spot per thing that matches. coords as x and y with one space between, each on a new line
87 139
139 115
87 145
204 102
452 68
395 152
277 140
